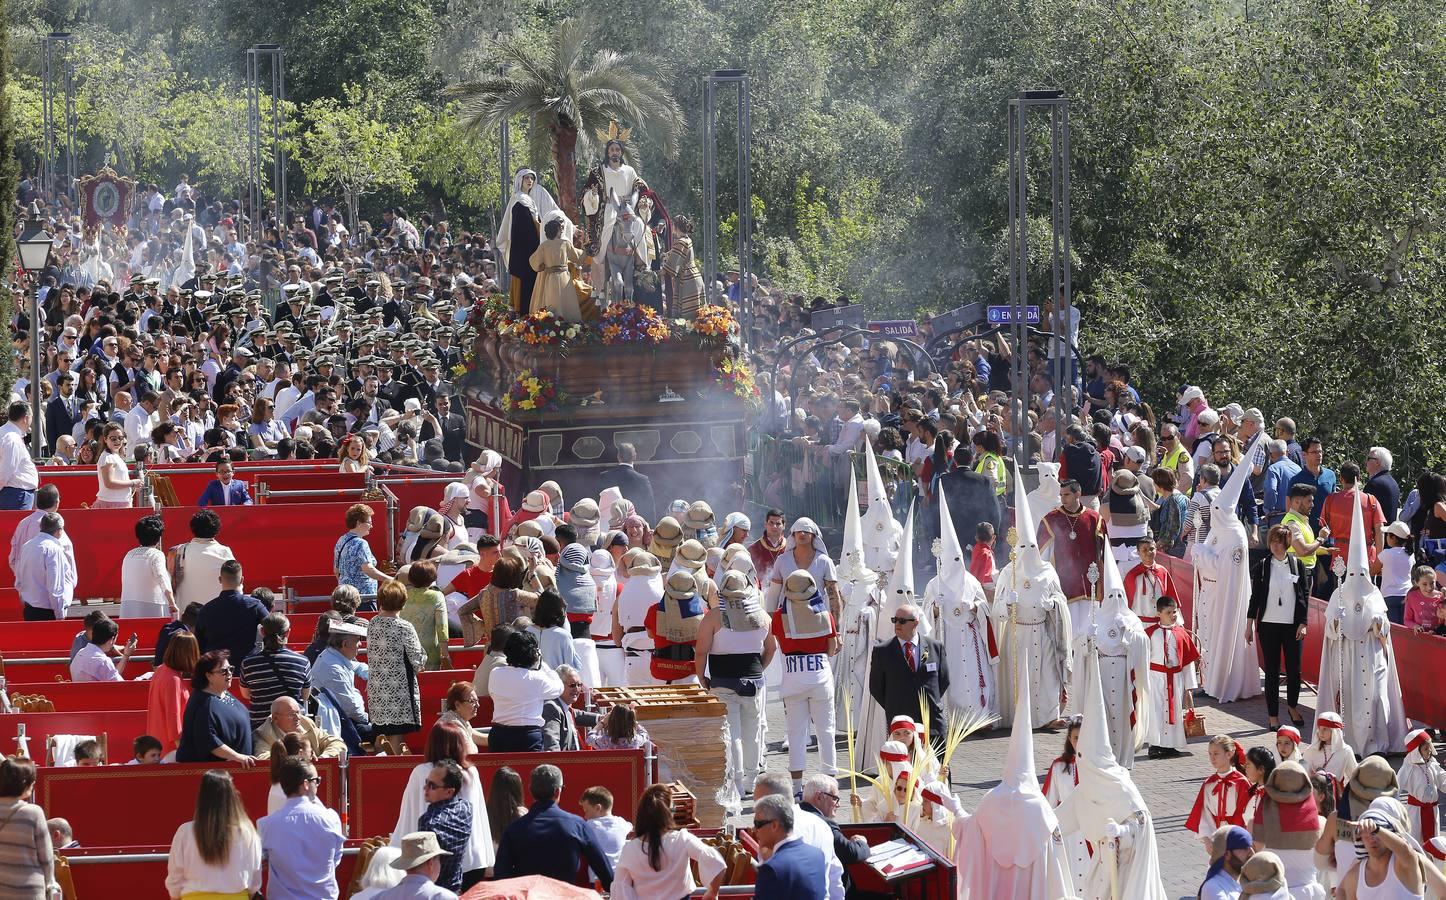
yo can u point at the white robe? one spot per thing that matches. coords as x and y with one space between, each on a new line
1164 651
618 182
1060 784
1046 877
1337 760
1424 781
963 621
869 724
479 853
1124 676
1137 861
1222 595
1041 635
1358 680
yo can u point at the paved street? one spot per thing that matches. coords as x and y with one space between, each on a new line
1169 786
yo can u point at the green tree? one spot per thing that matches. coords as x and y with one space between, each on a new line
567 94
458 163
9 174
350 147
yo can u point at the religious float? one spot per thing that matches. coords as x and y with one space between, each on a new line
616 348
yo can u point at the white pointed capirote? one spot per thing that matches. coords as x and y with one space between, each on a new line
900 589
1025 535
851 553
1106 796
1229 496
1116 602
1011 846
1117 635
880 534
952 566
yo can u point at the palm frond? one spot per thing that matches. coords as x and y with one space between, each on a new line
960 726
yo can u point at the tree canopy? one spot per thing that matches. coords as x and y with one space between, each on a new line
1257 190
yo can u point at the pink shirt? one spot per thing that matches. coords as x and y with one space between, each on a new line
1420 610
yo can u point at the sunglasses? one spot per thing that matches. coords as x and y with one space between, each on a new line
315 779
432 785
898 621
759 823
226 670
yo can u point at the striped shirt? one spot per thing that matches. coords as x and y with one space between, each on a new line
269 676
26 855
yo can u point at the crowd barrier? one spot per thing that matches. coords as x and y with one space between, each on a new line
1418 656
33 636
78 484
270 543
71 696
95 872
375 783
129 806
120 726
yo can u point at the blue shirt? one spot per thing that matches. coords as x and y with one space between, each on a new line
335 673
209 722
1278 476
1325 485
301 843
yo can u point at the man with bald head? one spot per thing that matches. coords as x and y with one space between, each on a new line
905 665
286 718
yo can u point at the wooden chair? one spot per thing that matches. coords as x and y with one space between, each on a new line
50 745
363 861
64 878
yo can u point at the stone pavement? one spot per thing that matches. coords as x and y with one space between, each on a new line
1169 785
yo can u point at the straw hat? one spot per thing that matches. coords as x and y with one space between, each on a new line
417 848
668 532
1125 483
464 554
799 585
536 502
347 628
1263 873
681 586
734 586
529 528
699 515
1374 778
692 554
645 564
1288 783
585 513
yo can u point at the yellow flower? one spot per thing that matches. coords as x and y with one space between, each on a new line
528 404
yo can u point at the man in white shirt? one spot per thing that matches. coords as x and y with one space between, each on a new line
18 478
807 827
46 575
92 662
47 499
850 436
141 418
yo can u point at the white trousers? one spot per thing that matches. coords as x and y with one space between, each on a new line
639 670
743 737
813 706
610 666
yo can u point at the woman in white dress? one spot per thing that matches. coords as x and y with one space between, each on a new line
658 862
447 741
116 485
145 583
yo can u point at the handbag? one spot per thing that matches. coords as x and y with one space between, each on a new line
1194 720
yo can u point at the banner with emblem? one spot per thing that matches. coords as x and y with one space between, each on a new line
105 198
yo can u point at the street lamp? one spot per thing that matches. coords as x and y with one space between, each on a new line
34 250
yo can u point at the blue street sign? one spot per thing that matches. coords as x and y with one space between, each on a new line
1004 315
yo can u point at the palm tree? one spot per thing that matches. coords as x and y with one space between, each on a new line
568 95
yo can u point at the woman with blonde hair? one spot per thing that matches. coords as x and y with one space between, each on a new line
217 854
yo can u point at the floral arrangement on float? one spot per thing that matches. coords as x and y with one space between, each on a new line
532 393
630 323
736 377
713 324
542 328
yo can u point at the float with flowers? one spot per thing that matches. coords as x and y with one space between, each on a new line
557 397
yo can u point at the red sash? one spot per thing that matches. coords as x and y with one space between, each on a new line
1428 825
1169 672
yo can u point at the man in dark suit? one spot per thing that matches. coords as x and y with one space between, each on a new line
792 870
225 490
560 721
230 620
904 666
548 840
63 412
821 798
635 486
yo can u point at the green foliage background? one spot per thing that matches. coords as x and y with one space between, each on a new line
1257 200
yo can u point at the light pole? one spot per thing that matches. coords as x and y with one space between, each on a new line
34 250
